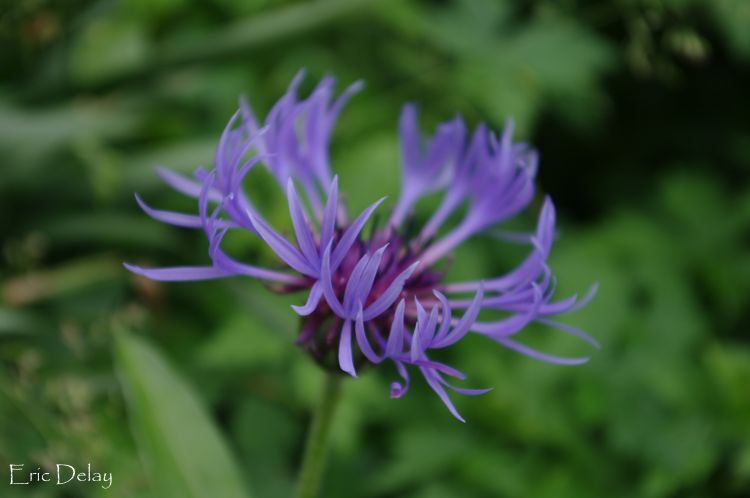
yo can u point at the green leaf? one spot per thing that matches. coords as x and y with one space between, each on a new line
107 47
733 16
182 448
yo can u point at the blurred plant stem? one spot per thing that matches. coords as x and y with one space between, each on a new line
313 461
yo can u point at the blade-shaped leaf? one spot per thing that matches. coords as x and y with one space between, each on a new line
181 447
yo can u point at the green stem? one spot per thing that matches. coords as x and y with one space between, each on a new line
313 461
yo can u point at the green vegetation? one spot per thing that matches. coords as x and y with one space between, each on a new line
639 109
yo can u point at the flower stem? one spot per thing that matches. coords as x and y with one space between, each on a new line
313 461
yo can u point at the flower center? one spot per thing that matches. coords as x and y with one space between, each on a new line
320 331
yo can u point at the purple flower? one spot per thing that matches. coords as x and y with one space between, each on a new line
377 298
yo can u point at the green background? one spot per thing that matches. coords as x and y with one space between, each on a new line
640 111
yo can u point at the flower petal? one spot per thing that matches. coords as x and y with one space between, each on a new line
389 296
350 234
398 389
532 353
346 356
301 226
327 283
395 344
179 273
433 381
178 219
362 341
465 323
185 185
569 329
445 321
283 249
364 286
316 292
328 224
351 293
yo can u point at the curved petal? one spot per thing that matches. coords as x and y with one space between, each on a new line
514 324
283 249
301 226
350 234
316 292
445 321
362 341
441 367
346 355
233 266
569 329
536 355
395 343
178 219
327 283
466 391
398 389
328 223
465 323
433 381
368 275
185 185
351 293
389 296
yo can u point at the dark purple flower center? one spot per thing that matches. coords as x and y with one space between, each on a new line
320 331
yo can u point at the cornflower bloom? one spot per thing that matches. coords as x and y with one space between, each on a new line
377 298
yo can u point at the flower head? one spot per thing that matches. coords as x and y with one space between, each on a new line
376 298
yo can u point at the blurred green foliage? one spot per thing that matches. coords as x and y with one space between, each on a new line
639 108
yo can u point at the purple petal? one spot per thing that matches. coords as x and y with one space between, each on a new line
351 293
532 353
368 275
586 298
221 164
325 279
465 391
395 343
179 273
389 296
235 267
342 99
208 228
350 234
177 219
569 329
415 350
283 249
362 341
445 321
506 144
397 389
432 379
512 237
328 224
302 226
441 367
184 184
465 323
531 266
346 356
316 292
248 118
428 333
409 136
512 325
